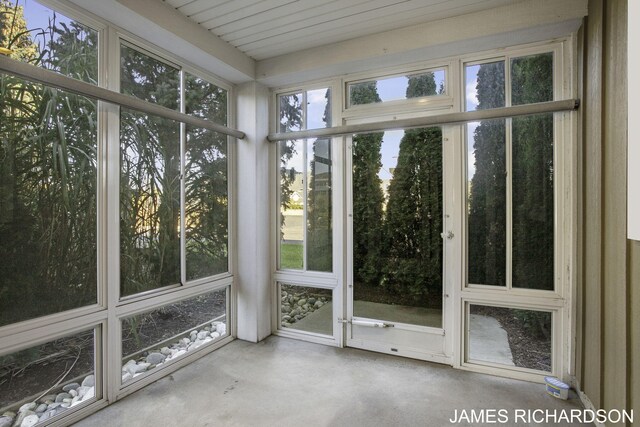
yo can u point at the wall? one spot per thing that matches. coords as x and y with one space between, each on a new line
516 23
252 271
609 284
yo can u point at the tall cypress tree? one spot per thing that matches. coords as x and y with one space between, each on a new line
414 210
368 199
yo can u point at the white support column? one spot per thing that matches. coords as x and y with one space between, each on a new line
252 272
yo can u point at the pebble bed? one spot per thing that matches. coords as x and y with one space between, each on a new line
297 305
73 394
151 359
48 406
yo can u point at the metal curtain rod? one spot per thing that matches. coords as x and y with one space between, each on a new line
50 78
441 119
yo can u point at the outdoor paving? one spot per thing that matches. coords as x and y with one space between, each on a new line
488 342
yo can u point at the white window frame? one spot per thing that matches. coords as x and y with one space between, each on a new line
403 108
325 280
106 314
145 301
157 54
560 302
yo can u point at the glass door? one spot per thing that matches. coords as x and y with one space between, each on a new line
398 230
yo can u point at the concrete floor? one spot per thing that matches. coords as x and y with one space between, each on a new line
284 382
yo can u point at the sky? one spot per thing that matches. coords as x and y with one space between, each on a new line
471 104
37 17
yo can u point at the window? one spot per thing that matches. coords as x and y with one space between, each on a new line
510 177
49 380
206 185
40 36
57 218
174 224
396 88
307 309
305 184
510 337
511 209
48 169
157 337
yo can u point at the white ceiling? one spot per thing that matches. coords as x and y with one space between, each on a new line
265 29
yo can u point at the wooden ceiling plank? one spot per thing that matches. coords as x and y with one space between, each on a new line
312 22
177 3
363 24
198 6
258 10
224 9
299 11
268 17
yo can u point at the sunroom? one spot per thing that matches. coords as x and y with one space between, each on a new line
445 187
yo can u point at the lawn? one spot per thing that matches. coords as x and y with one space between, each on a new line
291 255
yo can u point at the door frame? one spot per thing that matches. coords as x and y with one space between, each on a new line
453 196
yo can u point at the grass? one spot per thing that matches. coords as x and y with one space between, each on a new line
291 255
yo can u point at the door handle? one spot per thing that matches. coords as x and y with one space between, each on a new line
449 235
371 324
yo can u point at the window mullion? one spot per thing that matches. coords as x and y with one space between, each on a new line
305 186
509 199
183 137
509 175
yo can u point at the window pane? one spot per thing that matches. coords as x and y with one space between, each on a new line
148 78
510 336
396 88
206 183
486 202
533 207
48 184
318 108
290 112
47 380
38 35
159 336
319 223
532 79
206 203
205 100
484 86
291 204
149 202
306 309
305 110
150 177
397 221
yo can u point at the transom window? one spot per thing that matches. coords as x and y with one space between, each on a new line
419 84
